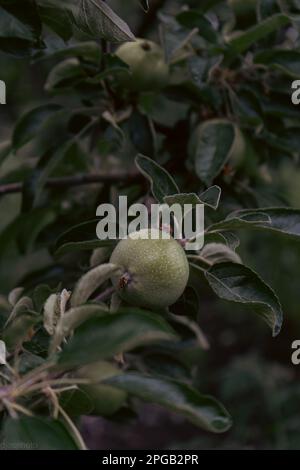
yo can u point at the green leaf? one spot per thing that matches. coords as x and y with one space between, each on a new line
20 28
65 74
211 197
25 228
13 28
35 433
182 199
29 124
229 238
56 18
18 330
237 283
81 237
282 220
88 50
91 281
40 295
29 361
174 38
112 66
76 402
217 253
141 133
287 61
210 148
21 23
162 183
98 20
202 410
47 164
72 319
191 19
246 39
101 338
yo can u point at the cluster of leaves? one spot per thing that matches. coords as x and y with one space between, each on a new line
217 131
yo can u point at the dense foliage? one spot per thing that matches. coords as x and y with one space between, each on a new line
213 124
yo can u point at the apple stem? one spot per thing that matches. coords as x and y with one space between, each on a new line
124 280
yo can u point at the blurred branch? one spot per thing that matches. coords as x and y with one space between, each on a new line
105 46
150 18
78 180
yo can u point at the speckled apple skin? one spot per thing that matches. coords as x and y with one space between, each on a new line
157 269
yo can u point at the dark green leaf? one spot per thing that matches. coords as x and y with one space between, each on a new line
237 283
35 433
162 183
28 362
29 124
141 133
282 220
88 50
98 20
174 38
65 74
56 18
76 402
211 197
40 295
202 410
91 281
22 23
229 238
182 199
19 330
193 19
287 61
100 338
210 148
218 253
25 229
240 43
48 163
81 237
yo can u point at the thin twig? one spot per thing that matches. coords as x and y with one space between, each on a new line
21 409
77 180
73 428
53 397
47 383
12 413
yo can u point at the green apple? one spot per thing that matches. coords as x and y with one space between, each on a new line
148 69
154 272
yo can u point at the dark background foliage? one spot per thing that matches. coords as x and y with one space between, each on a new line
224 67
